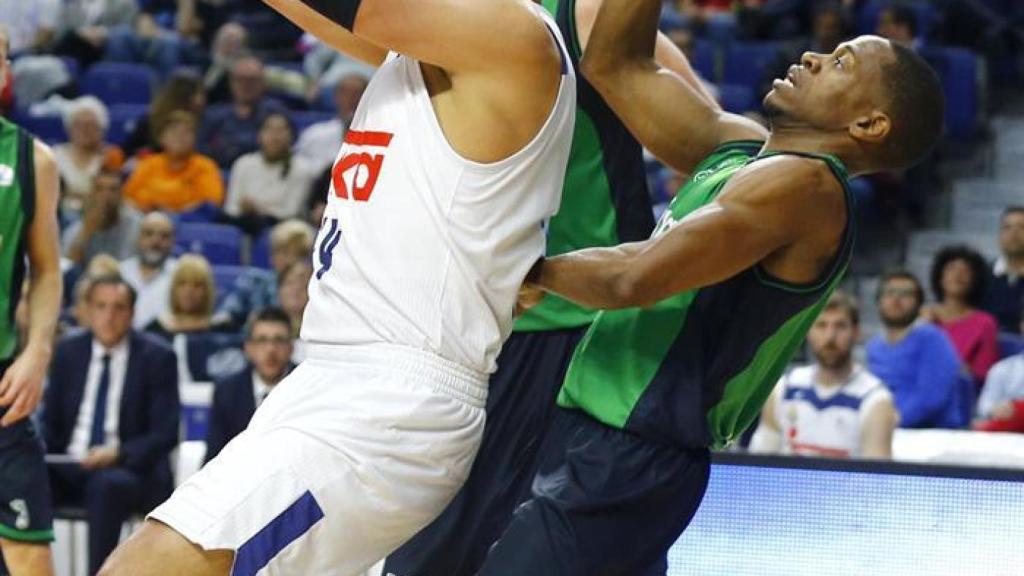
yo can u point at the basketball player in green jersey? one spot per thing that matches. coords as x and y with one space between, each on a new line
701 319
28 227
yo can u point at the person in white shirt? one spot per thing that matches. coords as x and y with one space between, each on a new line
833 408
150 272
1004 385
319 143
272 183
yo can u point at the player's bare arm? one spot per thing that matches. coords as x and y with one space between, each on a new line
22 385
769 213
664 112
877 431
492 64
667 54
329 32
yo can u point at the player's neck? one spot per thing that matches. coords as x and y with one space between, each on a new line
785 137
837 376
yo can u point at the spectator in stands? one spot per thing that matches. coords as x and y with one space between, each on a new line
30 26
833 407
100 266
145 42
228 131
271 184
86 153
179 178
230 44
1004 297
190 305
958 283
326 67
1001 403
290 241
108 226
293 295
150 272
268 348
916 360
112 406
318 145
182 91
85 27
898 22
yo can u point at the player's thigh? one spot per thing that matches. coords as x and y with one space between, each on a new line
27 558
157 550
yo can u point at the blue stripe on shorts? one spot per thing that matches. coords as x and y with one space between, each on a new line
289 525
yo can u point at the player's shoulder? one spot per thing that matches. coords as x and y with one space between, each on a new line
812 173
799 377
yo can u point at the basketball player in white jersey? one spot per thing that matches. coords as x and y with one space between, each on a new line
833 408
455 158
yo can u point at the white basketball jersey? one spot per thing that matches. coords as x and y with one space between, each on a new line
421 247
820 421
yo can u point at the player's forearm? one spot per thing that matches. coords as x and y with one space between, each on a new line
624 34
595 278
44 309
670 57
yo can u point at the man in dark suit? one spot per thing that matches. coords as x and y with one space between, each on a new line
268 346
112 409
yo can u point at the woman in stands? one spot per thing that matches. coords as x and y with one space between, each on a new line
958 283
184 92
271 184
191 303
79 160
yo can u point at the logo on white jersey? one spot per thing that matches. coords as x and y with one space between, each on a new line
355 174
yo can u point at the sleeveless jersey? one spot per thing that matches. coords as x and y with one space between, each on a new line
420 246
17 206
820 421
695 369
604 198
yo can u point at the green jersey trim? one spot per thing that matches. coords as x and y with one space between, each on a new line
26 535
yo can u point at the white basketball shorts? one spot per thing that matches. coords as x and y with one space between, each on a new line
348 457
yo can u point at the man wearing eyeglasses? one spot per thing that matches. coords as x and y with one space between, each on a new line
915 359
268 347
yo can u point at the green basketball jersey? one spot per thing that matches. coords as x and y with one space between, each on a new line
604 196
695 369
17 200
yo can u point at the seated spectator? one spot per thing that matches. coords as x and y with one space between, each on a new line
149 273
145 42
230 44
834 407
112 406
85 26
30 26
108 226
190 306
958 282
101 266
183 91
1004 387
290 241
228 131
899 23
86 121
178 179
1004 296
319 144
1007 417
914 359
269 185
293 295
268 348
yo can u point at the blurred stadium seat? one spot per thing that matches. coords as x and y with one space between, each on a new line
219 243
119 83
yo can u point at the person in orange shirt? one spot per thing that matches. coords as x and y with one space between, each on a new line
178 179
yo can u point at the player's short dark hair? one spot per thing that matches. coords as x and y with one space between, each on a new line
977 264
916 107
845 303
901 274
110 280
271 314
904 15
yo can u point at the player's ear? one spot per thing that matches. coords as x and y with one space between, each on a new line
873 128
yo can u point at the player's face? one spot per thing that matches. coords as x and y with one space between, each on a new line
110 313
831 338
269 348
898 303
833 91
1011 235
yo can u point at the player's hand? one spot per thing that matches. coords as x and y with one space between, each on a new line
21 387
101 457
529 296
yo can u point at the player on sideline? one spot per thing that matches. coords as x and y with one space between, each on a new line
701 320
604 202
455 158
29 187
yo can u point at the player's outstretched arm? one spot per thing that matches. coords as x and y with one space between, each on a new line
330 33
21 386
670 117
503 36
763 209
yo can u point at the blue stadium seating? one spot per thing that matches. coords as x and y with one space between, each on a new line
49 129
704 59
867 20
737 98
219 243
119 83
260 255
1010 344
747 63
225 278
303 120
123 120
958 70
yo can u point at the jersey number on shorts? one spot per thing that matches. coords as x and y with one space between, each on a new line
362 167
326 248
